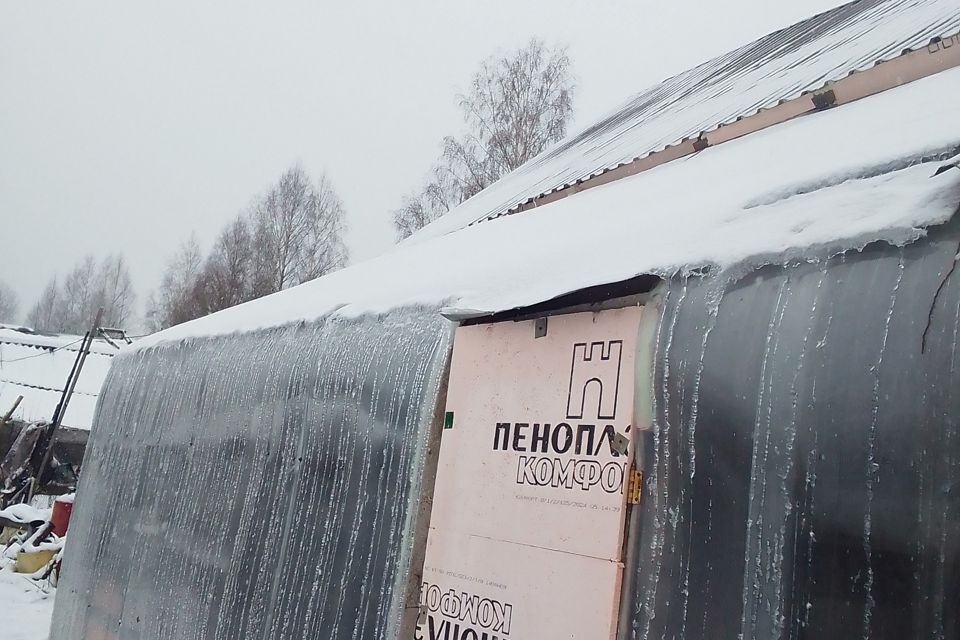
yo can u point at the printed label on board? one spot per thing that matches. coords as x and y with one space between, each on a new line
452 614
567 453
526 531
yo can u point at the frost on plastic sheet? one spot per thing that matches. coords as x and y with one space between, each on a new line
260 485
806 462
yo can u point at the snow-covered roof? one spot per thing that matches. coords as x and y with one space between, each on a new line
831 181
760 75
36 366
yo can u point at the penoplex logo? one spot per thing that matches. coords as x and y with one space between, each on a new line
576 444
459 615
595 365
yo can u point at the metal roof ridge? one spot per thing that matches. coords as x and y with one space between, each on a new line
940 54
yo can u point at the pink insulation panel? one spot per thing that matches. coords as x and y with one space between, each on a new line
528 515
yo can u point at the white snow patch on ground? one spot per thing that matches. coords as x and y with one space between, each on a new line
25 607
25 513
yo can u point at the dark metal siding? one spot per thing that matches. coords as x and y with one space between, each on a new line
804 476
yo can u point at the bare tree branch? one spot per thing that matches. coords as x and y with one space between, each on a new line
298 231
517 106
228 271
68 305
292 233
9 303
177 300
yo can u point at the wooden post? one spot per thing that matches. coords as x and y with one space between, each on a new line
8 414
62 407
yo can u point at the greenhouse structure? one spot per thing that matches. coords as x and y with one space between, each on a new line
691 373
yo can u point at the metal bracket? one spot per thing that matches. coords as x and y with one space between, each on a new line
824 99
540 327
619 444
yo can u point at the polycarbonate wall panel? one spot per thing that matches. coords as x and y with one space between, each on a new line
803 476
255 486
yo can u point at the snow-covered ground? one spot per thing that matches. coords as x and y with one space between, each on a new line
25 606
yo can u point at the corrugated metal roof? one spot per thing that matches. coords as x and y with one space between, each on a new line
36 367
778 67
24 336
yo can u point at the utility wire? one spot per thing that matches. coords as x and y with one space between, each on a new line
41 388
45 352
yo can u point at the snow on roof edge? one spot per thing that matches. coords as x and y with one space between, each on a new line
898 236
655 223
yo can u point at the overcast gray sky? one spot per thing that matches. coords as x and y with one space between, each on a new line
125 127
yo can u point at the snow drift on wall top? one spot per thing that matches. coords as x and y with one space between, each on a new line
825 183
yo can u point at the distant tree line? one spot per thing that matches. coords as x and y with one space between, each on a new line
518 104
9 303
292 233
70 305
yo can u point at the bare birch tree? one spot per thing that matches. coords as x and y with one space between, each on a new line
43 314
77 298
68 306
441 193
9 303
293 233
298 232
116 292
517 105
228 272
177 299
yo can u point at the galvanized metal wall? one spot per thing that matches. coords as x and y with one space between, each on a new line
803 476
255 486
